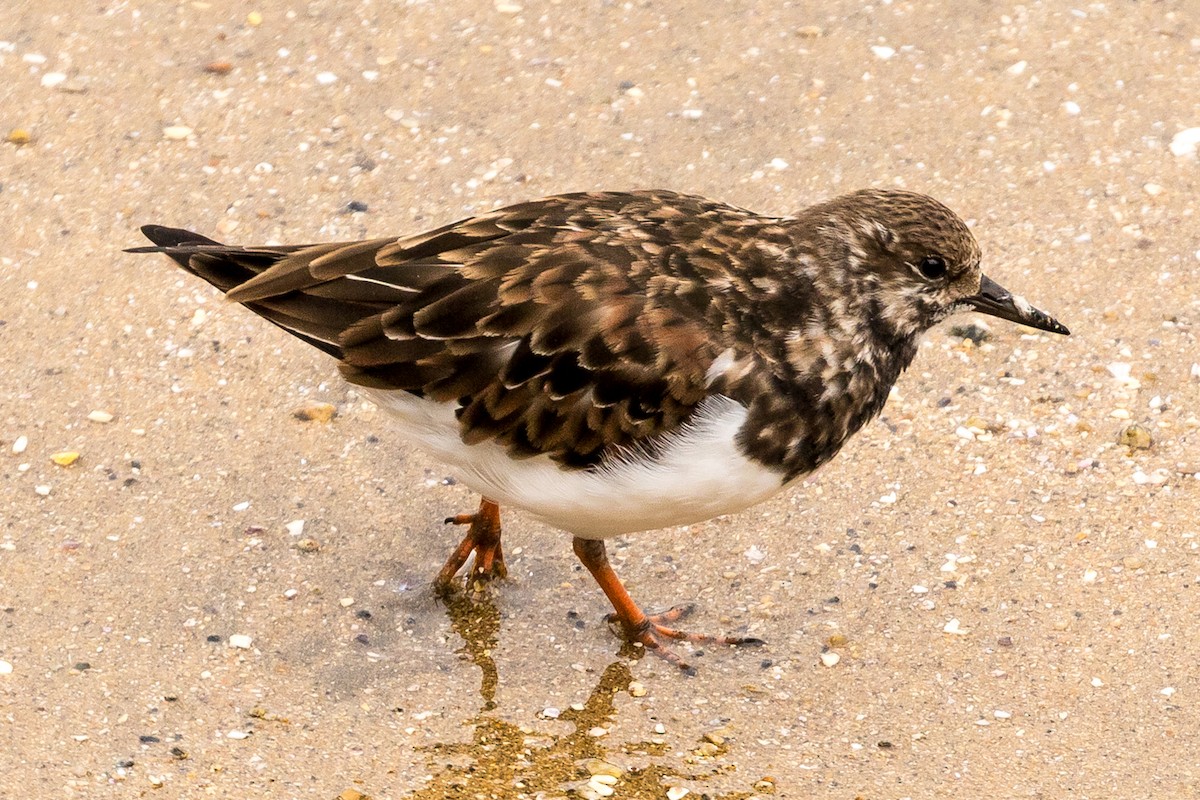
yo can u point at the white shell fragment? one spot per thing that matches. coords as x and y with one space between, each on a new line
1186 142
955 627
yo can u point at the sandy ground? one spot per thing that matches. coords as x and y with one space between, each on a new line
1011 593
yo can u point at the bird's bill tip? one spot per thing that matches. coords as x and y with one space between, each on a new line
997 301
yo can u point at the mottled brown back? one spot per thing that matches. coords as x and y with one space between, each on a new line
559 326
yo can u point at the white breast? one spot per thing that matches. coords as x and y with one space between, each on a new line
691 475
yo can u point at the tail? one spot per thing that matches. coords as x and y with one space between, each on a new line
289 297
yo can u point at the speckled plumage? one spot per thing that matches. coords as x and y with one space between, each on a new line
590 329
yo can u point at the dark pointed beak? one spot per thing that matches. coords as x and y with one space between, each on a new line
994 299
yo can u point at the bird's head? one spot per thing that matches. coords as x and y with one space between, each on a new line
914 262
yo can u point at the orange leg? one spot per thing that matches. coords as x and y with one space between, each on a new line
482 539
651 631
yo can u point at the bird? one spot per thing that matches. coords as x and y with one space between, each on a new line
614 362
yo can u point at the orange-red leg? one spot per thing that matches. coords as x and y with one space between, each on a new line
482 539
651 631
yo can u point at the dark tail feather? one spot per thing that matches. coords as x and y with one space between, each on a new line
227 267
166 240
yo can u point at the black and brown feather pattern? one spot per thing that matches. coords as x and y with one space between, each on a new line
586 324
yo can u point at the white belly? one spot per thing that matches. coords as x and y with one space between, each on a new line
694 474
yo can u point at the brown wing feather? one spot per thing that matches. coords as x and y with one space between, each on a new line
561 326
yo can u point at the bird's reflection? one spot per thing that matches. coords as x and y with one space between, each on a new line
504 759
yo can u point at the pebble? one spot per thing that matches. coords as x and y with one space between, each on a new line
77 85
677 793
19 136
19 444
998 714
43 489
218 67
830 659
882 51
177 133
809 31
65 458
1154 478
597 732
254 19
326 78
1135 437
765 785
52 79
295 527
308 545
599 788
316 412
103 417
346 602
6 668
550 712
1186 142
1166 691
237 734
597 767
242 506
240 641
637 689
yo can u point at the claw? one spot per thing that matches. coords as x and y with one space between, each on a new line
482 539
653 631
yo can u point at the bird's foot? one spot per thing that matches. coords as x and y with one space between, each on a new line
655 635
482 539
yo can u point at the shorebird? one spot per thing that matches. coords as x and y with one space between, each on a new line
613 362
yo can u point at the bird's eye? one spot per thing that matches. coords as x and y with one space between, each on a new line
932 267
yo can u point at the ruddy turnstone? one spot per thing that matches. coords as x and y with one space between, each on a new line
613 362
